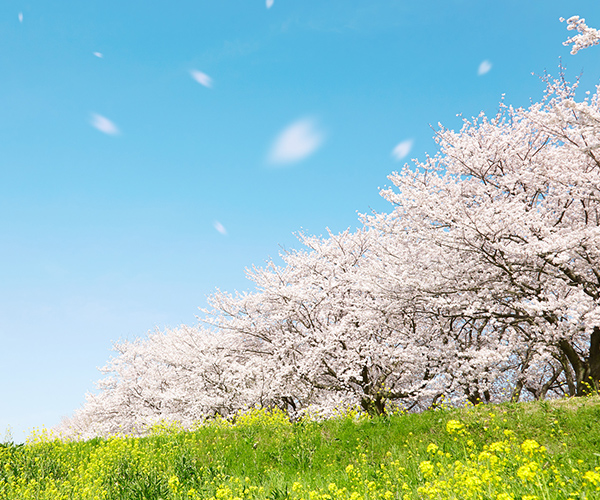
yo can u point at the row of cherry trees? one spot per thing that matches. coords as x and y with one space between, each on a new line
481 284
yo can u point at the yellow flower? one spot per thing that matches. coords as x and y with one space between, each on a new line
432 448
426 468
528 471
529 447
453 426
174 483
592 477
499 446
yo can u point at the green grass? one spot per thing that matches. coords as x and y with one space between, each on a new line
484 453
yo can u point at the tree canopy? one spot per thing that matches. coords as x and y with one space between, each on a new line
481 284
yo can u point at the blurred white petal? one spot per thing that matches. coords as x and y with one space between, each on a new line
219 227
484 67
202 78
402 149
103 124
298 141
98 54
20 17
269 4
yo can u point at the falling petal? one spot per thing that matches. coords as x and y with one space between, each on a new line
98 54
269 4
104 125
484 67
202 78
402 149
298 141
219 227
20 17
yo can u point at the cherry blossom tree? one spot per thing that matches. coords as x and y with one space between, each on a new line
482 284
178 375
318 323
512 204
347 321
586 36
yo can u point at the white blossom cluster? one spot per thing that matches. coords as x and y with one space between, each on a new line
586 38
481 284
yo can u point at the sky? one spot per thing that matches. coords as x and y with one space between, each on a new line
151 152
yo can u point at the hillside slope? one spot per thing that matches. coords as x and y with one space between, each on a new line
543 450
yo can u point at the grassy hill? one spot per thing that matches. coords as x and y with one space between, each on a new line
543 450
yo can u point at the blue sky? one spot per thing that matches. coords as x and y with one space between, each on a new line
151 151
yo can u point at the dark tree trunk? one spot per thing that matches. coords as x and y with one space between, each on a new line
516 393
587 370
594 360
568 375
373 406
